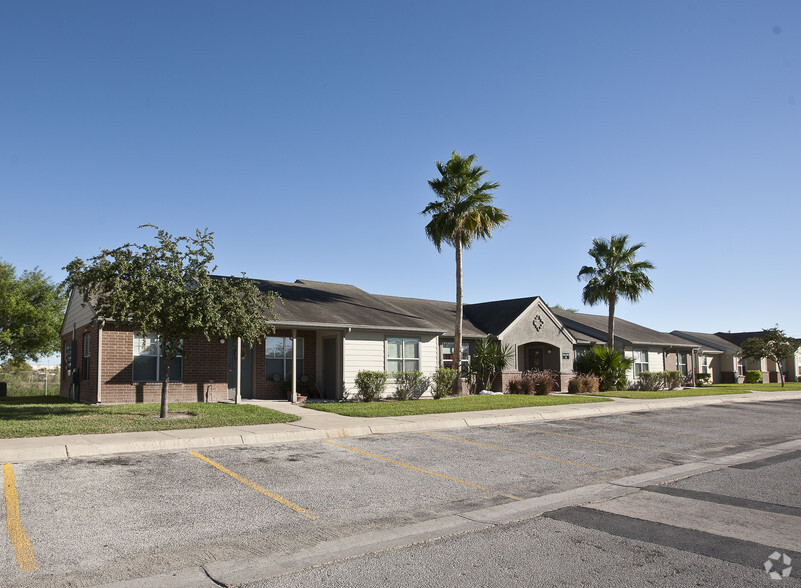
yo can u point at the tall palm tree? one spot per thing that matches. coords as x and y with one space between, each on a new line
463 214
616 275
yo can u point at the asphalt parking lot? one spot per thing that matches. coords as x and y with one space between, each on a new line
94 521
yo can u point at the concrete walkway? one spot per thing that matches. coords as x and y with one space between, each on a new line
316 424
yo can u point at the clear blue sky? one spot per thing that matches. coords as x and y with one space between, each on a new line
303 134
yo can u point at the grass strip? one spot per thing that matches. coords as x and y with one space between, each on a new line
39 416
458 404
710 390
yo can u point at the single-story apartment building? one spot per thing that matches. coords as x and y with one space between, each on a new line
335 330
326 333
732 366
649 350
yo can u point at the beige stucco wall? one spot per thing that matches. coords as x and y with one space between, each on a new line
546 330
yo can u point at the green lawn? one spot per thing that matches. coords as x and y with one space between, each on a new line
39 416
740 388
459 404
658 394
711 390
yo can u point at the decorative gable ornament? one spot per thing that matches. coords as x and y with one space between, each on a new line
538 322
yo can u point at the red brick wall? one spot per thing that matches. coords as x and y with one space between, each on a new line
205 370
86 388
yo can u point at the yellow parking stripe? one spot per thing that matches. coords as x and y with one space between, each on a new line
256 487
625 428
411 467
19 539
583 465
592 440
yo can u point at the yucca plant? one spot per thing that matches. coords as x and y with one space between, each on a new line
487 359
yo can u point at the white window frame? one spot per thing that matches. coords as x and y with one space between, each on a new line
157 354
86 354
682 367
465 359
640 359
403 359
285 358
703 364
741 368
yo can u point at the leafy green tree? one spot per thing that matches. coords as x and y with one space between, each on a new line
31 313
617 274
462 214
774 344
167 289
608 364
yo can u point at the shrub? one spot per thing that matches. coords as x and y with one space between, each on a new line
583 384
410 384
650 380
527 383
753 377
609 365
673 379
370 384
443 382
701 379
513 386
543 381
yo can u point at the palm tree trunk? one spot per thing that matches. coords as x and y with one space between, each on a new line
611 338
457 332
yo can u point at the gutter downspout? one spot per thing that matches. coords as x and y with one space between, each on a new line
72 365
238 370
294 366
100 358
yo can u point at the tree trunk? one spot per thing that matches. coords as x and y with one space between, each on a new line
611 339
457 332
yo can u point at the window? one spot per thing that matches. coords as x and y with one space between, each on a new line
65 363
703 364
447 355
87 349
740 366
640 362
403 355
147 360
278 351
681 363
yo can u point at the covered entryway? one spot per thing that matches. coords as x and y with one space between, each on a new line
539 356
246 373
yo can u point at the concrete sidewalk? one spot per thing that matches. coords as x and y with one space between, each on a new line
315 425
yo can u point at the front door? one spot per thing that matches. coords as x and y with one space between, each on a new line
246 376
329 367
534 358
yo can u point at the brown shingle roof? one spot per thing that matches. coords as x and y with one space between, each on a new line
593 328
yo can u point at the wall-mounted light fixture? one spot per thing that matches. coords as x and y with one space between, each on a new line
222 340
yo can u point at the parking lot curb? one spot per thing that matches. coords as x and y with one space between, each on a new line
321 426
